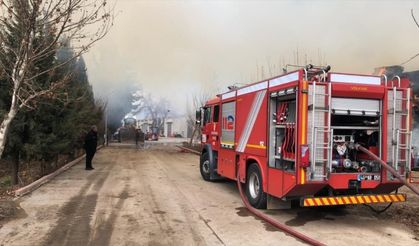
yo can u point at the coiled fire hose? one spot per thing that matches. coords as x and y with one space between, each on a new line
273 222
386 166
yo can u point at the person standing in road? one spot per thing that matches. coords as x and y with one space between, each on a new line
141 138
90 145
137 137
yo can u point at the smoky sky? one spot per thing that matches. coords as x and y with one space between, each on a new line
173 49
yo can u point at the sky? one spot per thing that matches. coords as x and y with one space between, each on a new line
176 49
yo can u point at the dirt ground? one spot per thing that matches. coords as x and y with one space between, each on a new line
157 197
407 212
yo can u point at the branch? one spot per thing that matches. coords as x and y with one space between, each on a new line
47 92
417 25
413 16
410 59
38 26
73 29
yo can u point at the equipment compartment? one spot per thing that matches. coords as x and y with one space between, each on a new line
347 130
283 130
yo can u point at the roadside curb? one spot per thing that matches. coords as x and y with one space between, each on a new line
189 150
45 179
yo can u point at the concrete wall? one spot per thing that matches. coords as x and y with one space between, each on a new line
177 125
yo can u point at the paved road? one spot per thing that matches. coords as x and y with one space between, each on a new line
157 197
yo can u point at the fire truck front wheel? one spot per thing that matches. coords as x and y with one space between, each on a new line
205 167
254 190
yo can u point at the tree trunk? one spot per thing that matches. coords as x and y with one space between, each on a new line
43 167
5 127
15 169
18 74
57 157
7 120
193 135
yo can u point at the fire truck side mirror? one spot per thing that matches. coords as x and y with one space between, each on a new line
198 117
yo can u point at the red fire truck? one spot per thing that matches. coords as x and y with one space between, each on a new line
292 137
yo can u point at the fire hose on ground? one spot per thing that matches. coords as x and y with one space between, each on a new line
273 222
299 235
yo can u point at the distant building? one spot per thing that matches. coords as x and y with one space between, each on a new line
174 125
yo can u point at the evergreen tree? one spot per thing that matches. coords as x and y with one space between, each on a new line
20 130
53 125
30 34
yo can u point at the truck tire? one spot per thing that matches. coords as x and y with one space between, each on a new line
204 167
254 190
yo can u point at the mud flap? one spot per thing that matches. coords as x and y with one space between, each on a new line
276 203
213 167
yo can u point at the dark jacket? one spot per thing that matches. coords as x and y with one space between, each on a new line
90 141
141 136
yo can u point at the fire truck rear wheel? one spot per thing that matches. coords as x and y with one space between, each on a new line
254 190
204 167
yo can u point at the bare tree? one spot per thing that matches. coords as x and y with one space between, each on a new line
40 28
198 101
157 111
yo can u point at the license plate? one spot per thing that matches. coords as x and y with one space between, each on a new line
369 177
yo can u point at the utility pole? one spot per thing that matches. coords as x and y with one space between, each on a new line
106 126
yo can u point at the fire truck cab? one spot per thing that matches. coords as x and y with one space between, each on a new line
292 137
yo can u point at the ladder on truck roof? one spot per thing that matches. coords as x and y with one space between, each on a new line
400 138
320 132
